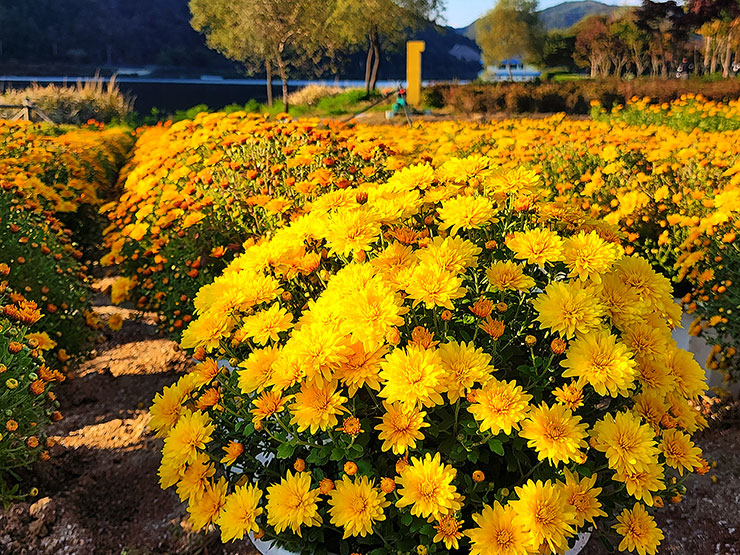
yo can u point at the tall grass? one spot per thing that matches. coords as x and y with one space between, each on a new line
96 99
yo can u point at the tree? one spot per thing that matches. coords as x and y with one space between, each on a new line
384 24
558 50
634 39
229 31
510 30
287 33
667 26
593 44
718 22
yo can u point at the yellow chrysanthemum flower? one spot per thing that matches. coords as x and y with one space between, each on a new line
498 532
588 256
268 403
465 366
465 212
293 504
239 513
255 372
413 376
583 497
639 531
356 506
352 231
499 406
597 358
195 477
206 507
629 444
555 433
362 368
434 286
544 512
508 275
192 432
166 409
316 407
449 532
536 246
266 324
373 310
321 349
400 427
679 451
651 405
426 485
567 309
451 254
641 483
621 302
688 376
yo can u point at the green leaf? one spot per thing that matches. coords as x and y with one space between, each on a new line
285 451
473 456
355 452
496 446
337 453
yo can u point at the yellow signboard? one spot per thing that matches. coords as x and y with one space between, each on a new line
414 48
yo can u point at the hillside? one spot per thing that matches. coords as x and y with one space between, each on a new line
568 14
558 17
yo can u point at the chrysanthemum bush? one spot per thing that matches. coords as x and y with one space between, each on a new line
195 191
51 182
689 112
670 193
27 402
441 361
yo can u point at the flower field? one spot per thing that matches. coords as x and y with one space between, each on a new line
51 181
448 337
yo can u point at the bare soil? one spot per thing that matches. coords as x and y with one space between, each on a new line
99 494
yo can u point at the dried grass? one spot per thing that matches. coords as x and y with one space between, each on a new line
311 94
96 99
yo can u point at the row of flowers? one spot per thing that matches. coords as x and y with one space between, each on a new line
689 112
26 397
195 191
441 359
51 182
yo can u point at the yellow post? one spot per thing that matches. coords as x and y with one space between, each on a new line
414 48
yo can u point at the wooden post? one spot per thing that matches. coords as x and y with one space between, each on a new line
414 48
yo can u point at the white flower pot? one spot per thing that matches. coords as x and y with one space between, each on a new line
264 547
701 350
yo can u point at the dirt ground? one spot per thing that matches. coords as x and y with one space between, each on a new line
99 494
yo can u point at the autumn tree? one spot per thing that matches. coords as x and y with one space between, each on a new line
510 30
633 38
593 44
666 24
380 24
286 33
718 22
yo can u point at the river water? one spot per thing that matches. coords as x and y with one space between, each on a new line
179 94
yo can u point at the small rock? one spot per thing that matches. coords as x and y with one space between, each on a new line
38 528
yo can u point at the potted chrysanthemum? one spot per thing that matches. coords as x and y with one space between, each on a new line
440 362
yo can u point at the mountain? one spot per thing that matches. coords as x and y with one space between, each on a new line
558 17
567 14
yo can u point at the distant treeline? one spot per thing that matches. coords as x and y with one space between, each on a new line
51 34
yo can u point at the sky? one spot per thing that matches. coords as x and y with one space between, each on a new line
460 13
